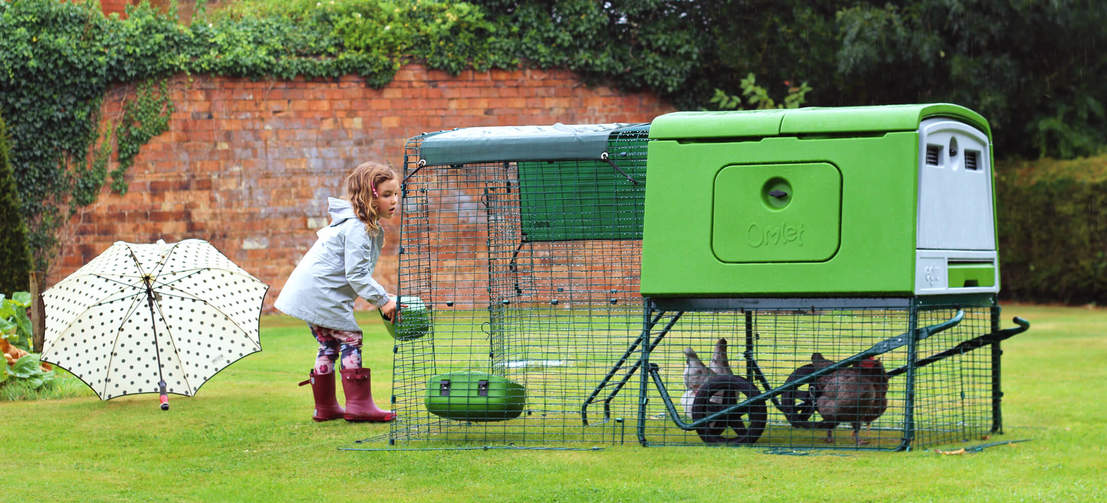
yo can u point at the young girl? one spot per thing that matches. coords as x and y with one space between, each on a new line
335 271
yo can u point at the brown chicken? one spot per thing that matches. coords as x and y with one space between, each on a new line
854 395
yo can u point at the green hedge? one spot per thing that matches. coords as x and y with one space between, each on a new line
1053 230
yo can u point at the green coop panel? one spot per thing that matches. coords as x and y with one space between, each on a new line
575 200
575 182
776 213
581 199
820 201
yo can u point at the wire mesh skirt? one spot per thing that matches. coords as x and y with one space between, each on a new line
945 401
582 374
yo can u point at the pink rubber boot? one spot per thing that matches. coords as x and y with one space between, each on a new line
359 398
322 388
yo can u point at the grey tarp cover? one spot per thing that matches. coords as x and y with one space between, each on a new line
517 143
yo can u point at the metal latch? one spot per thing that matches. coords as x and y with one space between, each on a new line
444 387
482 388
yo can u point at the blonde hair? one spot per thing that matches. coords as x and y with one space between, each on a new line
361 189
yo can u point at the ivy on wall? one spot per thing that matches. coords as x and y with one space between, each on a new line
144 117
54 64
332 38
57 60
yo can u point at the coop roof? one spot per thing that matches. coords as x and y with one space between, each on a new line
517 143
813 120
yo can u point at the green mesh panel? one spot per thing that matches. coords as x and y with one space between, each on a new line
575 200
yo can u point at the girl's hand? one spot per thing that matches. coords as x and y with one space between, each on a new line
389 310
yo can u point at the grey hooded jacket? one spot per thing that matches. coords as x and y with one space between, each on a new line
335 271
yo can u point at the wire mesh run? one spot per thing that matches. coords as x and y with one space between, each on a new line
539 337
531 272
705 361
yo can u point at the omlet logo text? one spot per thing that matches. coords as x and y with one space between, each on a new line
778 235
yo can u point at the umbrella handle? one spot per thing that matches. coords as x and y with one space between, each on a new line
164 396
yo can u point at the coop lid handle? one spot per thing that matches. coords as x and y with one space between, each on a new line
605 157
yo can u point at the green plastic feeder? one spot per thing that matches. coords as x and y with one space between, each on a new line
474 396
412 319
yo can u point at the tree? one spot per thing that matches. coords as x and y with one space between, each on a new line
1032 68
15 256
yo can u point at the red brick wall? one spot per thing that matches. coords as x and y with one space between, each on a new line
185 8
248 165
115 7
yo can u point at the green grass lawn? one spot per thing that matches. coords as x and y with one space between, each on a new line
248 436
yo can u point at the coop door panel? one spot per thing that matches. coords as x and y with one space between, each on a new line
955 188
776 213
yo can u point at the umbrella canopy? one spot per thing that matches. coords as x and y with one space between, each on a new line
141 314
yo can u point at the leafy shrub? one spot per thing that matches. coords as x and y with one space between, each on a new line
28 371
57 59
19 365
59 384
757 97
15 326
331 38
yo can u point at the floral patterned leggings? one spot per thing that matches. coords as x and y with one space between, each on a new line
333 343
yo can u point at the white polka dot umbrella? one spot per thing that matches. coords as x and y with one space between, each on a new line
152 318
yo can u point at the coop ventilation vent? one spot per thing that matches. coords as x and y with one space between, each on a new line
933 154
972 160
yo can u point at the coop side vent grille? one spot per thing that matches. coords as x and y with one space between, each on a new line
933 154
972 160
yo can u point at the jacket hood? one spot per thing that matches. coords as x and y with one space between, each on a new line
340 210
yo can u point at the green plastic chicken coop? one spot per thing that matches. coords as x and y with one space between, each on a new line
893 200
836 268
